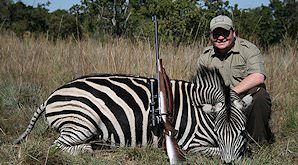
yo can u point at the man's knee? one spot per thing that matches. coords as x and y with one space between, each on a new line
261 105
259 115
260 96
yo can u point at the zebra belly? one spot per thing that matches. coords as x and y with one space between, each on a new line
85 115
105 128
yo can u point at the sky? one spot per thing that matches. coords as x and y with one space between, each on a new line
66 4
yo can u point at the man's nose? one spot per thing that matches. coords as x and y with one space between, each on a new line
220 37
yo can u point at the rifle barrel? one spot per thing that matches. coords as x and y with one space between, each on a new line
156 43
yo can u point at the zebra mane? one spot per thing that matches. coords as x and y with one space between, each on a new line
108 75
206 75
228 101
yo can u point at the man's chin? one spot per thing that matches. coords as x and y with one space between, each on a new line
221 46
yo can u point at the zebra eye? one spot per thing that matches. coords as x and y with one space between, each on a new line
243 132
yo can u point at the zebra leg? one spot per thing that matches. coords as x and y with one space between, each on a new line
72 145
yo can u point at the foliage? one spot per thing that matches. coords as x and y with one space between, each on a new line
62 25
286 17
181 21
103 16
21 18
178 20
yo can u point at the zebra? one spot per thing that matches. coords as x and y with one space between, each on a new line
115 109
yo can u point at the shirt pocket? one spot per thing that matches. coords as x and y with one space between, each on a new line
239 70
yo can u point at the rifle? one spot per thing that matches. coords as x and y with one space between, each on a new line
165 100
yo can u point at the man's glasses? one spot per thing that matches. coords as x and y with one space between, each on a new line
220 32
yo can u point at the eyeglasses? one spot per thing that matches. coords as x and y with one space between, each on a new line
220 32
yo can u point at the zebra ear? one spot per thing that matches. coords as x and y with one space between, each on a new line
244 102
218 107
209 108
247 100
238 104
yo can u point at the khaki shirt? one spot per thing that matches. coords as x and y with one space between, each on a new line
243 59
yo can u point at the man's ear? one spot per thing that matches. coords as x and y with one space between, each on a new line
234 33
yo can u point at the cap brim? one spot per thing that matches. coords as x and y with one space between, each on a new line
224 26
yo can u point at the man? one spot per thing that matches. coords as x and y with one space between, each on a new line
242 67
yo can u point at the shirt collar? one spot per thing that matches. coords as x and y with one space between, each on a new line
236 47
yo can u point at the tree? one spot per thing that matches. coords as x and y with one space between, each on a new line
182 21
178 20
286 17
22 18
62 24
4 12
101 16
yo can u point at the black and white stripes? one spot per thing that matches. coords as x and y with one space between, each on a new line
114 107
116 110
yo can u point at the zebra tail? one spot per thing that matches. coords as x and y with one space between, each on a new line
33 120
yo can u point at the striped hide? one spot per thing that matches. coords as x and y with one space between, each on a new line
115 109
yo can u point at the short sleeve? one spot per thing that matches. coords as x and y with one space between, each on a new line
204 57
202 61
255 61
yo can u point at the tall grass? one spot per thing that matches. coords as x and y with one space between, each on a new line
32 68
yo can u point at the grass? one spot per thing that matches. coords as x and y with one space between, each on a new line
32 68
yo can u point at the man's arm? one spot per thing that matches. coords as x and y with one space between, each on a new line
249 82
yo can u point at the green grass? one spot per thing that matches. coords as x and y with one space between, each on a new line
32 68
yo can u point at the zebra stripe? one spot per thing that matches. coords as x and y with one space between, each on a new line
115 109
231 125
115 102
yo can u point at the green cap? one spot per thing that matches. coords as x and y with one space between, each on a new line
221 21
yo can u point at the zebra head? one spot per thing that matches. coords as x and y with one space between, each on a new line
226 107
229 126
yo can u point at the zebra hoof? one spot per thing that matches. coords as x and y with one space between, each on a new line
88 151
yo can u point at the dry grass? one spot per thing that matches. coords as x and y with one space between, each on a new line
32 68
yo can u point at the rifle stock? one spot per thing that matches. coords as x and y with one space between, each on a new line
166 107
165 100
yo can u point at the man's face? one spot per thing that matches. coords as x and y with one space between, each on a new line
222 38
